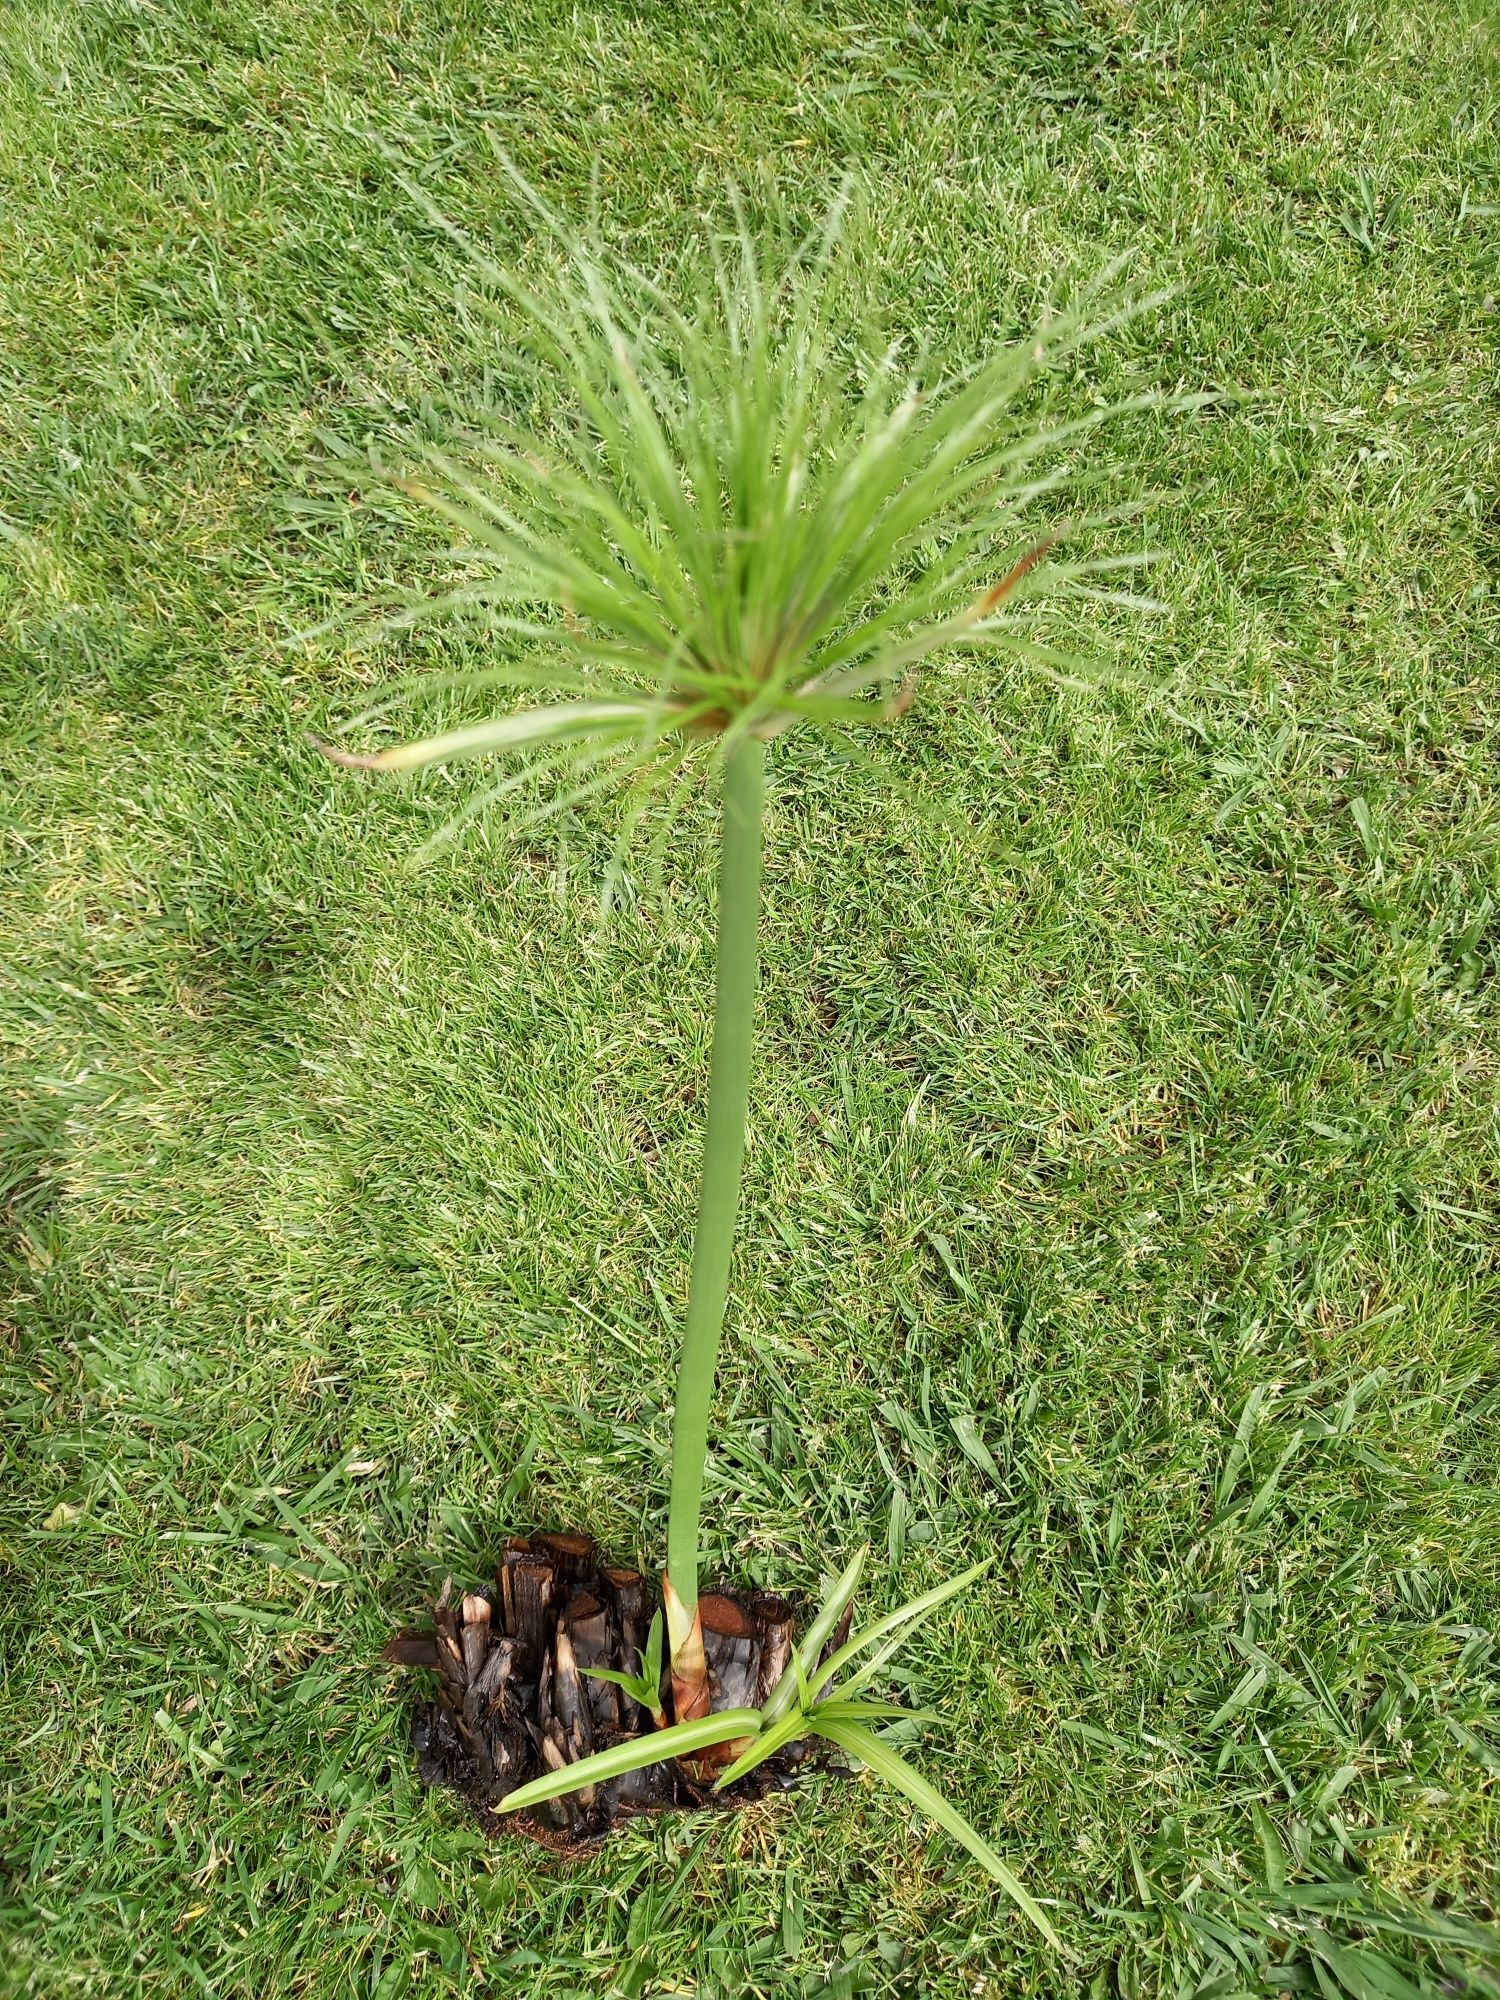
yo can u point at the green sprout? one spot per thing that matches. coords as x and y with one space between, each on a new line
746 523
644 1687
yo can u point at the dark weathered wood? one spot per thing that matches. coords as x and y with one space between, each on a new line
595 1644
435 1740
529 1585
474 1632
505 1582
732 1645
491 1680
774 1616
560 1813
574 1558
628 1593
570 1706
491 1719
650 1789
631 1603
450 1652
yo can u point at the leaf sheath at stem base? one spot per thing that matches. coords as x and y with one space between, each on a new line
690 1689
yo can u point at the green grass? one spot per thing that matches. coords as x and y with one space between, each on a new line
1125 1174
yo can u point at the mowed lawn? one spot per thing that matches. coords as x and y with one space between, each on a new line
1124 1190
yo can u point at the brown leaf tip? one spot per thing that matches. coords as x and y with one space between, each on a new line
998 592
348 760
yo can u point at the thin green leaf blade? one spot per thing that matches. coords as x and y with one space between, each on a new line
766 1745
877 1711
910 1614
680 1740
885 1763
633 1684
518 731
815 1639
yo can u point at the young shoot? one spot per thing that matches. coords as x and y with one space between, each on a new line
644 1687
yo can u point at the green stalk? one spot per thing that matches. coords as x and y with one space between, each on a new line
723 1155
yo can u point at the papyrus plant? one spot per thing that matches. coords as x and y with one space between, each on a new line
746 519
